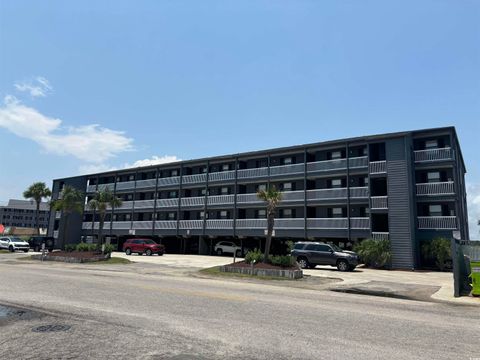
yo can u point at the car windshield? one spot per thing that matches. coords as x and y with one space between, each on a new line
150 242
16 239
335 247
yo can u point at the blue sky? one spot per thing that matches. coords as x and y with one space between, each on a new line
93 85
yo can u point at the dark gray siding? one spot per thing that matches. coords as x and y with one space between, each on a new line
399 202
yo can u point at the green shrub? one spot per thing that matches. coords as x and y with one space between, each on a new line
254 256
290 245
283 261
109 248
374 253
83 247
439 250
70 247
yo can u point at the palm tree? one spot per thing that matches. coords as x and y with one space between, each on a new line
100 202
36 192
69 201
272 197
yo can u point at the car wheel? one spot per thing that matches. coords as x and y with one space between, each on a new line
160 254
26 250
342 265
128 252
148 252
11 249
303 262
219 252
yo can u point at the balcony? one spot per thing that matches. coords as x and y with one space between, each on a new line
360 223
252 173
190 224
326 165
440 154
126 185
216 224
326 194
358 162
438 188
192 201
359 192
327 223
87 225
247 198
378 167
379 202
193 179
126 205
220 199
169 181
121 225
221 176
91 188
110 186
166 224
437 222
149 183
287 169
167 203
380 235
293 223
142 225
293 195
144 204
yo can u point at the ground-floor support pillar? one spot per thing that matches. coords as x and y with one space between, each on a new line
204 245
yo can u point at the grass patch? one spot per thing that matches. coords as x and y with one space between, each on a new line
28 257
3 251
215 271
111 261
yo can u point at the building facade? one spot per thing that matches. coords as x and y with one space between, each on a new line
407 187
21 214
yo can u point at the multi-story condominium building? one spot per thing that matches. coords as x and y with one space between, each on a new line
21 213
407 187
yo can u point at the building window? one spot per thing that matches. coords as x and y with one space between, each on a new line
171 215
174 173
262 187
435 210
203 192
223 214
261 214
337 212
336 183
287 161
225 167
366 181
203 170
172 194
287 213
287 186
128 217
336 155
201 215
224 190
431 144
131 177
433 177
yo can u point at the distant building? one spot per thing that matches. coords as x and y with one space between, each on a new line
21 214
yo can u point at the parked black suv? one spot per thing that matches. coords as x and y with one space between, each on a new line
311 254
36 242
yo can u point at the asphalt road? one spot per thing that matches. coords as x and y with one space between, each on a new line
145 311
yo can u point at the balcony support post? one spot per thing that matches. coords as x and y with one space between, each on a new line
347 150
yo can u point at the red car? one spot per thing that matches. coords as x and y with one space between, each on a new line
143 246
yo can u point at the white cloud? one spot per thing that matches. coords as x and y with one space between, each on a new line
40 87
154 160
473 205
90 143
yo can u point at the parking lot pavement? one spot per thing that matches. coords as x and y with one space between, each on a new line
180 261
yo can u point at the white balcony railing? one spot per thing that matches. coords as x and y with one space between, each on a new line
167 203
380 235
379 202
433 154
109 186
166 224
146 183
219 224
323 194
190 224
169 181
142 225
91 188
297 195
126 185
327 165
126 205
293 223
247 198
287 169
358 162
251 173
362 223
437 222
121 225
378 167
359 192
192 179
327 223
438 188
87 225
220 199
251 223
144 204
106 225
192 201
222 176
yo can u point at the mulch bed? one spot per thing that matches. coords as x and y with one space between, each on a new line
243 264
76 254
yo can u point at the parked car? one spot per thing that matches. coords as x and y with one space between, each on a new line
13 243
36 242
227 247
311 254
143 246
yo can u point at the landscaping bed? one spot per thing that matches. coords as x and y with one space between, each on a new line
263 269
73 256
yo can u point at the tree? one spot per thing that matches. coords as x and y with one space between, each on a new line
37 191
69 201
100 202
272 197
